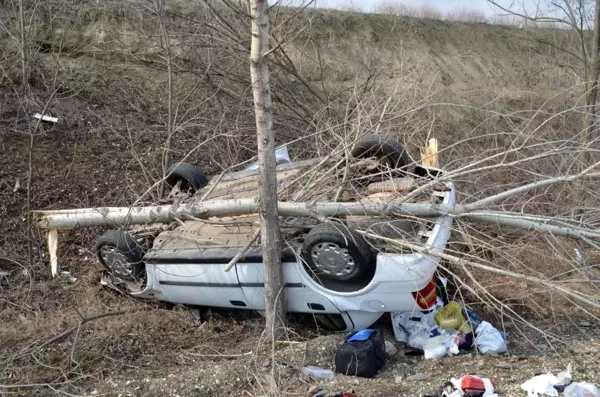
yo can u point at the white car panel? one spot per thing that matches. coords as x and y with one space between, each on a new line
299 297
197 284
396 277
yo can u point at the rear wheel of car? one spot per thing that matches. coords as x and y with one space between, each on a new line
388 152
337 253
120 255
185 177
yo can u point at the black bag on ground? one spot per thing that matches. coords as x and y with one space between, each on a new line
362 354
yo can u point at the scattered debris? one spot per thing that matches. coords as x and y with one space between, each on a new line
4 275
489 339
473 318
45 117
362 354
438 346
67 276
447 330
541 385
469 385
451 317
565 377
582 389
17 186
418 378
318 372
390 349
196 314
282 156
414 327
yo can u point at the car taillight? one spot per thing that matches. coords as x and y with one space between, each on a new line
427 296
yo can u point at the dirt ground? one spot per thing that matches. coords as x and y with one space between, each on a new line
156 350
106 150
204 372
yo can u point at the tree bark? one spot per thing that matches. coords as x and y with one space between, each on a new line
117 217
166 158
267 192
24 67
593 92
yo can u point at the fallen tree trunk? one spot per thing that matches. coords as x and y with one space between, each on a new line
126 216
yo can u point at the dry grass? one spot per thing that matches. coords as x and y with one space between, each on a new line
479 97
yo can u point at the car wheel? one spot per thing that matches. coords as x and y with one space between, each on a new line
336 253
185 177
388 152
120 255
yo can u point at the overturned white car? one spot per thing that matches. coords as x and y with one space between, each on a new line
346 270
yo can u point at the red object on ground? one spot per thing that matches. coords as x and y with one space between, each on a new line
474 384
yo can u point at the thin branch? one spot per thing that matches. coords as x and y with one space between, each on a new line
242 251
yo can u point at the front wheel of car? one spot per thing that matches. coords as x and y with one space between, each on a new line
334 252
120 255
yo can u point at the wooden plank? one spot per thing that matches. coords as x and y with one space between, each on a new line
53 250
429 155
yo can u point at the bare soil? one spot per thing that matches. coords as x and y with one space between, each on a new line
107 148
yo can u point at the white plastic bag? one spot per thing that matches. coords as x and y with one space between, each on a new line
541 385
411 323
582 389
417 339
489 338
435 348
416 323
439 346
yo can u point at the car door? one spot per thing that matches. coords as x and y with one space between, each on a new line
195 277
299 298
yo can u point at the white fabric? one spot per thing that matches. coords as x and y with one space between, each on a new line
541 385
489 338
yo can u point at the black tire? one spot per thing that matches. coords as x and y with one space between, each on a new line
118 241
354 245
192 177
386 150
330 322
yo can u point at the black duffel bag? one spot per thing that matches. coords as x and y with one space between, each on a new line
362 354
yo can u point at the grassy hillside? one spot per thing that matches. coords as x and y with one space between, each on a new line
102 69
337 46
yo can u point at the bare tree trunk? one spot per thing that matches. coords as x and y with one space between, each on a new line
269 219
589 119
593 92
166 157
24 69
29 197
